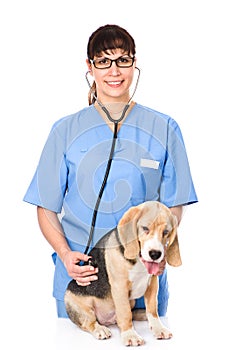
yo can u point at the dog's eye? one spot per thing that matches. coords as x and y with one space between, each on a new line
165 232
145 229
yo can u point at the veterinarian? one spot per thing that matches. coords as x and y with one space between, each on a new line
105 158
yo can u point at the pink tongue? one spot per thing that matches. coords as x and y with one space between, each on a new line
152 267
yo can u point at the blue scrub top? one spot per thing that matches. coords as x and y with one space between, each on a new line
149 163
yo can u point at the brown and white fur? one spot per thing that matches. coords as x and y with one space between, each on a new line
127 258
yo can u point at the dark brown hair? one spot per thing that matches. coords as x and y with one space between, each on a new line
108 37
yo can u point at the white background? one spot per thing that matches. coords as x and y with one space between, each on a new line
182 50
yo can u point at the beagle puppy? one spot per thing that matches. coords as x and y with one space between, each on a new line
128 259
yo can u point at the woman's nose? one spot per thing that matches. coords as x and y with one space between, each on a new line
114 69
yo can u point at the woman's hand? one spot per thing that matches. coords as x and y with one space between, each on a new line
83 275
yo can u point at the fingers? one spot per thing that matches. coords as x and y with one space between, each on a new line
82 274
78 256
85 275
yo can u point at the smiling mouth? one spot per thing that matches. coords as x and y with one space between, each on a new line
114 83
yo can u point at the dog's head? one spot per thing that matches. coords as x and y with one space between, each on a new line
149 230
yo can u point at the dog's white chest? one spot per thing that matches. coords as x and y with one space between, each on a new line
140 278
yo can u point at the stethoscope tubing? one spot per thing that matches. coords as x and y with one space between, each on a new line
108 167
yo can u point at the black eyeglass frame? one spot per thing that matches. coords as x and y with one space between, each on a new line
116 62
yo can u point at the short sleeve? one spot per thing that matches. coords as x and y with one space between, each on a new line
49 183
177 186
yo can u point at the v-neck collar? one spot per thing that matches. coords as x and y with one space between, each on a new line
108 122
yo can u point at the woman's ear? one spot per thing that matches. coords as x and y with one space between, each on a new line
89 66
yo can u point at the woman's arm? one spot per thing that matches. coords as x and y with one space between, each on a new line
52 230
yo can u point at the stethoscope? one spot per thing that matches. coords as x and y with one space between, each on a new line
111 154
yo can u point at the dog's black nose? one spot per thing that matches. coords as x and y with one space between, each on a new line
154 254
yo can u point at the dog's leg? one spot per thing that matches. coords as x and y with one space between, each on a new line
81 312
129 336
155 324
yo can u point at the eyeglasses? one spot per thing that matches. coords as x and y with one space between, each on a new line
121 62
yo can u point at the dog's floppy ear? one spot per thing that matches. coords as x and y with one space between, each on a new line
173 251
128 235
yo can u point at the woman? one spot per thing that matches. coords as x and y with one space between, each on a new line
149 162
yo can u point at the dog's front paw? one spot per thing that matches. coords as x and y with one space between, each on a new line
158 329
131 338
162 333
101 332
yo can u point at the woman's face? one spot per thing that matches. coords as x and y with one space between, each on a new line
112 84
